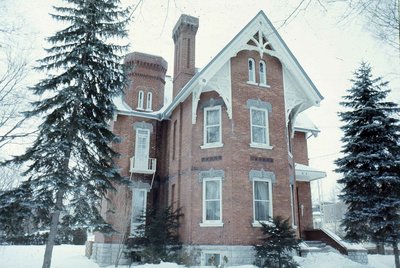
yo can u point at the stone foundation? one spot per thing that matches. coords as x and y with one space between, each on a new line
105 254
234 255
360 256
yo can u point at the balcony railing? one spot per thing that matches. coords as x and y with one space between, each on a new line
144 168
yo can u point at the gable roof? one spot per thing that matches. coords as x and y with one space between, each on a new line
281 51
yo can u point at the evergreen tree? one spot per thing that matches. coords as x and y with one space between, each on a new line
71 159
370 162
277 245
157 238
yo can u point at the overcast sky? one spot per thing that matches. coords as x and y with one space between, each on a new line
328 47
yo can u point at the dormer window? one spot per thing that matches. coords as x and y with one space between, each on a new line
263 73
149 105
140 100
252 71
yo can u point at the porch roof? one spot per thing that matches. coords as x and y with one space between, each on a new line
307 173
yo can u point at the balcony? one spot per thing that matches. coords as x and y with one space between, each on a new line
145 166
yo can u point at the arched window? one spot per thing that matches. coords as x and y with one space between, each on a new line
140 100
263 73
252 72
149 104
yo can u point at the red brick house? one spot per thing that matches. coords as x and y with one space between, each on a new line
230 149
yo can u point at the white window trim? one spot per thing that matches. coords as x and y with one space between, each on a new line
140 100
149 102
267 145
292 206
136 146
256 223
251 73
214 144
264 75
134 225
211 223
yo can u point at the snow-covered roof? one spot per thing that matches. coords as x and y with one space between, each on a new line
304 124
307 173
121 105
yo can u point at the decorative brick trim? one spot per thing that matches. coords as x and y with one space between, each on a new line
143 125
262 174
211 173
139 185
211 158
259 104
211 103
261 159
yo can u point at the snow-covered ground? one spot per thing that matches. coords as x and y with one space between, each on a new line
66 256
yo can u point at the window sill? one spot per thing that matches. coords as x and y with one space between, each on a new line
252 83
212 145
258 224
261 146
264 85
211 224
149 110
139 109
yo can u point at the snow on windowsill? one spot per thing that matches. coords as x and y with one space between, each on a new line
211 224
212 145
261 146
258 224
264 85
252 83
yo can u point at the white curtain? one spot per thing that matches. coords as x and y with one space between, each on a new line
258 126
212 200
261 200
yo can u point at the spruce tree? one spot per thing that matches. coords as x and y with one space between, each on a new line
156 239
71 159
277 245
370 162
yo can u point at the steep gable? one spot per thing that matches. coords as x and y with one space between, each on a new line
261 36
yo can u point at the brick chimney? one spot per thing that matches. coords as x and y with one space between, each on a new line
184 35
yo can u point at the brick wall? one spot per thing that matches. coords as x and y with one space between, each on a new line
236 158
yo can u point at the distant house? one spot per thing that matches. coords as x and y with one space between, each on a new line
230 149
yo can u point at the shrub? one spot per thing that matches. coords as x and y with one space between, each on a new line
277 245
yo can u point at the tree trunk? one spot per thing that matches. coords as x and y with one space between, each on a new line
396 254
380 248
55 219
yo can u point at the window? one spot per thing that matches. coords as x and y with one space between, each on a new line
149 105
259 128
263 73
139 200
212 127
262 200
142 145
212 206
140 100
252 71
294 223
212 259
174 140
173 197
